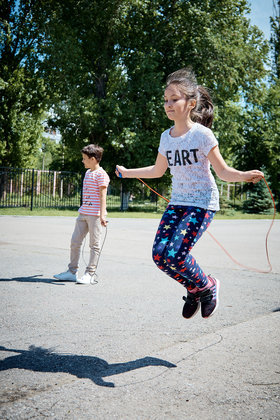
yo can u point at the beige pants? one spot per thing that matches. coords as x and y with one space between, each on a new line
85 224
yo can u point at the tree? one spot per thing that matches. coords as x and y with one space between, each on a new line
259 200
102 67
259 142
22 92
107 63
272 108
81 70
275 39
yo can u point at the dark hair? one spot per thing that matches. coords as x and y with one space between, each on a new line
185 79
93 150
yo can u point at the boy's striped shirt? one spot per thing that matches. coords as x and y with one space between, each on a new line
93 180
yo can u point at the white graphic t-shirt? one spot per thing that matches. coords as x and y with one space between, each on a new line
192 181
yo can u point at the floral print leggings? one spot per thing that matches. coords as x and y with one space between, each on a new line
179 230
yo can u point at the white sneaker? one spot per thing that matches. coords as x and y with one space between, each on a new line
66 276
86 279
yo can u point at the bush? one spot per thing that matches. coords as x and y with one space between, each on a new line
259 201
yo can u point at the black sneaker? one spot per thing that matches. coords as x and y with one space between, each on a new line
209 298
191 306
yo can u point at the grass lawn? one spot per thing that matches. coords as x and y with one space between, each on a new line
126 214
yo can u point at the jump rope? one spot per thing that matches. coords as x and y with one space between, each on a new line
95 276
216 240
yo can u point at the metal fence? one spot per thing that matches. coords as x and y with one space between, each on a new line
33 188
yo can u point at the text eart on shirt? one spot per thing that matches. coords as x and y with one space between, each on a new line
181 157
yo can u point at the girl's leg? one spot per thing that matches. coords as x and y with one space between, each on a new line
167 226
192 225
179 229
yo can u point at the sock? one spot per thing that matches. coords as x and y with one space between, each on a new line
208 285
194 290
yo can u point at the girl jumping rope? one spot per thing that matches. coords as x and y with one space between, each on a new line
187 149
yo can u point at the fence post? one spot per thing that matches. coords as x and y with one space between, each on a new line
32 190
54 183
123 206
124 199
121 193
157 198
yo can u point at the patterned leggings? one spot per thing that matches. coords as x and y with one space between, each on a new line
179 229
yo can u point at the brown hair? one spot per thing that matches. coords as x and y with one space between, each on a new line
185 79
93 150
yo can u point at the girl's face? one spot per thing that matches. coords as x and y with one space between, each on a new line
176 106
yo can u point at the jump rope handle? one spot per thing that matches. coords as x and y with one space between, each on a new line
118 173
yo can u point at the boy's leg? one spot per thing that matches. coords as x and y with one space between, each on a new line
80 231
95 231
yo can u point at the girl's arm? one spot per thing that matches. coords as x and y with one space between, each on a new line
103 196
155 171
228 174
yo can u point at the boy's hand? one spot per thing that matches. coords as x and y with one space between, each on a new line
103 221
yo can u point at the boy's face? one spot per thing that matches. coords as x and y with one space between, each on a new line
89 162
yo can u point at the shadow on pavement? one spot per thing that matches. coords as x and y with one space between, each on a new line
37 278
39 359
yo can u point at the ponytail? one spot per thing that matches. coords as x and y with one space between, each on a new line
203 112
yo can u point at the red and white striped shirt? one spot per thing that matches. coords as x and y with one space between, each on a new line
93 180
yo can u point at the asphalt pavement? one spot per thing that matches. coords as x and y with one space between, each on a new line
120 349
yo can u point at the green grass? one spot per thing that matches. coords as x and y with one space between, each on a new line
117 214
21 211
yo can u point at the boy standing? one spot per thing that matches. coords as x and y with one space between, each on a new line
92 216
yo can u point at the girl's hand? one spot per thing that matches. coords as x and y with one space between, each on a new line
253 176
120 171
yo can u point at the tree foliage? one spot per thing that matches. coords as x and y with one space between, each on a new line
102 66
272 108
107 63
259 200
22 92
275 40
